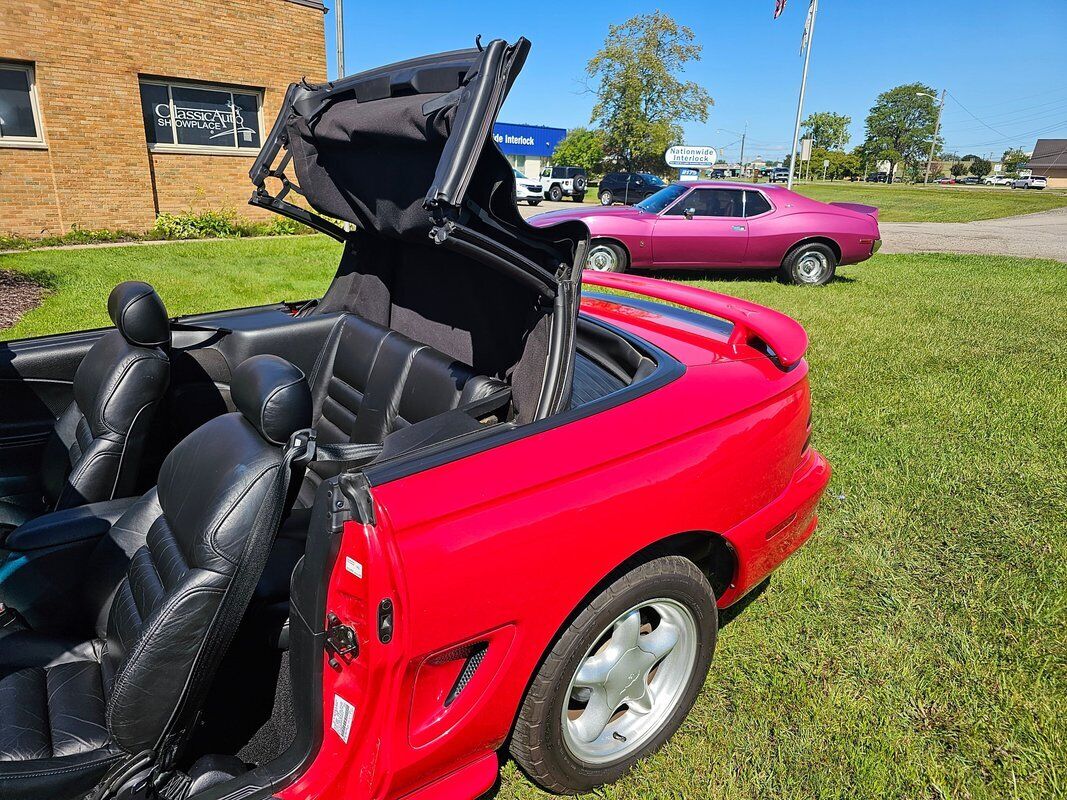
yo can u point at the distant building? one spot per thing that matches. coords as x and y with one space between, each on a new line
111 113
1049 161
528 147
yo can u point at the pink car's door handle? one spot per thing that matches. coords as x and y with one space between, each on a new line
738 227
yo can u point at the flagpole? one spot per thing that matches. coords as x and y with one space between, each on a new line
339 13
814 9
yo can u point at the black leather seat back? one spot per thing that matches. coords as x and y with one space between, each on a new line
370 381
95 449
189 535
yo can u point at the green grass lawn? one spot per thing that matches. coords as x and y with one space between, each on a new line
908 203
898 203
190 276
916 646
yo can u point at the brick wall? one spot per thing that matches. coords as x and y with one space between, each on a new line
97 171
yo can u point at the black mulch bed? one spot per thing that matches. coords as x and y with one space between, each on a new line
18 294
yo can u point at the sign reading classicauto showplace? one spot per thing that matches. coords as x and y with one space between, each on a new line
194 116
684 155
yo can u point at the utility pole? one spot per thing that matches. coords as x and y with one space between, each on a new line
937 128
338 10
742 159
813 9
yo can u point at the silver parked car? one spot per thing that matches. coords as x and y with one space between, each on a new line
1029 182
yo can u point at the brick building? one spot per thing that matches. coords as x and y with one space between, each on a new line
112 111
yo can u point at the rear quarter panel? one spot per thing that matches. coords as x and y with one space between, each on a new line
513 538
772 236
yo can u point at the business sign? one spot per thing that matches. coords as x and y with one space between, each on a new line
805 149
527 140
684 155
686 174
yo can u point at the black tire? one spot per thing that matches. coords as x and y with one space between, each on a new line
538 743
606 198
555 194
799 265
578 197
533 202
579 184
618 260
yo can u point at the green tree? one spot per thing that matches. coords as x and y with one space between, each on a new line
581 147
900 125
640 97
958 170
981 166
826 129
1012 159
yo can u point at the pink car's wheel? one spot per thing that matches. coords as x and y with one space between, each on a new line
812 264
620 679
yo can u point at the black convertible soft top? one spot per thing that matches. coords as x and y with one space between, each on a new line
438 250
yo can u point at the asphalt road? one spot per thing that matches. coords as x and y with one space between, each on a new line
1042 235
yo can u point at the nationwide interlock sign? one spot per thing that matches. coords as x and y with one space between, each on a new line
686 155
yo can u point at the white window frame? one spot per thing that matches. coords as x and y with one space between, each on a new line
204 149
27 142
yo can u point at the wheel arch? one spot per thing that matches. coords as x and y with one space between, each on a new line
826 240
712 553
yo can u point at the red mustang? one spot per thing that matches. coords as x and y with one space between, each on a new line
357 546
721 225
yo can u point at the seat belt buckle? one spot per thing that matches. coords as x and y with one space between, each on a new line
304 445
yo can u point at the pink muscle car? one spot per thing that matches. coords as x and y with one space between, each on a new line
721 225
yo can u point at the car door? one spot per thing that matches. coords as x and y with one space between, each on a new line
704 228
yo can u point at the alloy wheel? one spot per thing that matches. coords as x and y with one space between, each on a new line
630 681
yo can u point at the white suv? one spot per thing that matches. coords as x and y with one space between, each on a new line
528 190
1029 182
996 180
560 182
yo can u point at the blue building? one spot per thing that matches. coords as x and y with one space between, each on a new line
527 147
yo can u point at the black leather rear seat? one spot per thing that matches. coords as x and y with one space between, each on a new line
370 381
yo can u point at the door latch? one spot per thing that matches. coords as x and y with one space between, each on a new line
340 642
739 227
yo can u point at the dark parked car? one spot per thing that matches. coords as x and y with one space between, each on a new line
878 177
628 187
970 180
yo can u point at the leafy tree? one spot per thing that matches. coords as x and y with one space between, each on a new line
640 97
958 170
826 129
581 147
980 166
900 125
1012 159
842 164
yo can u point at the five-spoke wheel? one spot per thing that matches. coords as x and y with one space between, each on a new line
620 678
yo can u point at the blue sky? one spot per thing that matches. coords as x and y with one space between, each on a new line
1004 64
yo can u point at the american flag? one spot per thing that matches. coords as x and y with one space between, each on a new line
779 7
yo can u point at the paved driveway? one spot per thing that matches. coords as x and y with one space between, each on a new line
1042 235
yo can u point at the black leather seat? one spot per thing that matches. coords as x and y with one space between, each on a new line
76 702
370 381
95 449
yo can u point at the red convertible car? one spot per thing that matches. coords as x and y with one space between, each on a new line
723 225
364 545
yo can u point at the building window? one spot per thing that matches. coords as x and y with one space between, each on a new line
20 120
182 117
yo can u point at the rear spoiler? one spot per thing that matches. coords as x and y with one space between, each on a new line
871 211
753 324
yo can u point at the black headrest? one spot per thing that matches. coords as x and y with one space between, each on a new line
273 395
139 314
